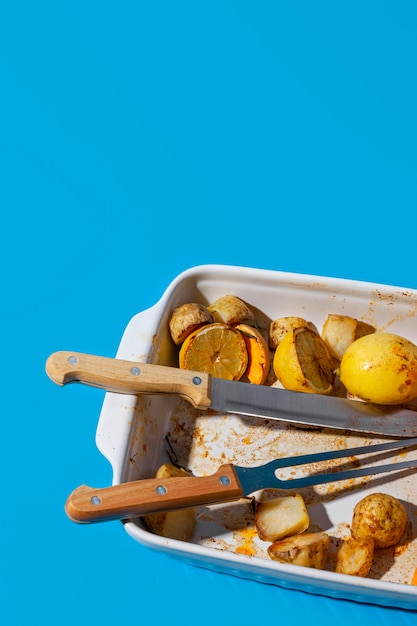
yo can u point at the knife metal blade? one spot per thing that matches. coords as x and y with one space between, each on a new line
230 482
313 409
203 392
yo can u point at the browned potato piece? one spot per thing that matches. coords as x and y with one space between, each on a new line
186 318
363 329
231 310
355 556
380 516
339 331
307 549
178 524
281 517
169 469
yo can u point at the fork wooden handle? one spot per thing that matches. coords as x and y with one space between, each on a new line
151 495
129 377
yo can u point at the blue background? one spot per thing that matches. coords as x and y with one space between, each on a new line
138 139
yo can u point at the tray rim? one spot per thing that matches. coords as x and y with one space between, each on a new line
319 582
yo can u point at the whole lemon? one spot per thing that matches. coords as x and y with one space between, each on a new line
381 368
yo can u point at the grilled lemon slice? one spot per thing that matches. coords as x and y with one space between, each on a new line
259 360
217 349
279 328
302 362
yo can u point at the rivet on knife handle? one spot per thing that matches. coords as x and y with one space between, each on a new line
129 377
151 495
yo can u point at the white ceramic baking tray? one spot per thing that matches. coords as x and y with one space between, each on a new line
133 434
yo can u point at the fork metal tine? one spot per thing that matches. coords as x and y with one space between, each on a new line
320 479
262 477
315 457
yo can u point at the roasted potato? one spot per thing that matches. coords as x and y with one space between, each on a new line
231 310
186 318
339 331
179 524
307 549
363 328
355 556
380 516
281 517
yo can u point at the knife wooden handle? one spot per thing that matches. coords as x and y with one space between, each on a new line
129 377
151 495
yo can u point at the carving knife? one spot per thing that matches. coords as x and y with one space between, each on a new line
203 391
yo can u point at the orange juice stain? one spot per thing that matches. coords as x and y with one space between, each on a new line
247 547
